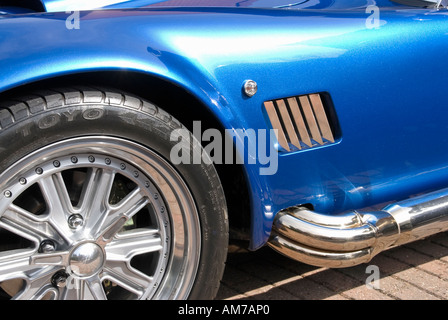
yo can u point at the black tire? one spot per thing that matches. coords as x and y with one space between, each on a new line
38 126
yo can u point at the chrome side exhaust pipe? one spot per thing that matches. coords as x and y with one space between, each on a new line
345 240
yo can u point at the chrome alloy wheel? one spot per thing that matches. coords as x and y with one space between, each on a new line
96 218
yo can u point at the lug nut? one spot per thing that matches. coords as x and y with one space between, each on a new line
59 279
75 221
47 246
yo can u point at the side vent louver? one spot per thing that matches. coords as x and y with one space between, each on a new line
301 122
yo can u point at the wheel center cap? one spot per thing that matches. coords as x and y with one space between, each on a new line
86 259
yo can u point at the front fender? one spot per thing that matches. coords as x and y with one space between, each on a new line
35 47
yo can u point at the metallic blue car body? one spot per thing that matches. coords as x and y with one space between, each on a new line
386 85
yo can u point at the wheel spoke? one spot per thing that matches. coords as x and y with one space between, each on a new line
120 252
35 269
94 202
127 277
73 290
38 284
27 225
133 243
96 190
56 195
14 264
93 288
84 289
59 258
119 214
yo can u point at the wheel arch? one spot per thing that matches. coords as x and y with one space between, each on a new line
171 98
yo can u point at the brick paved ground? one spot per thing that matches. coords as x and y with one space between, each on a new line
416 271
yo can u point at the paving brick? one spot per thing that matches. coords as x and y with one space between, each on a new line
365 293
417 271
410 256
227 293
436 267
440 238
308 290
349 286
430 248
335 280
336 297
271 293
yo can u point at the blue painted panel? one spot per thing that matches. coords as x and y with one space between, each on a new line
386 84
64 5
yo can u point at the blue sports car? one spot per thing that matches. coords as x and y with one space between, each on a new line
138 136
